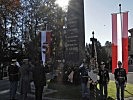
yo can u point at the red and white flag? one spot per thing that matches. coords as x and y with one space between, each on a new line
120 40
45 45
43 49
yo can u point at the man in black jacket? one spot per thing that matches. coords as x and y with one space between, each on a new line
39 79
120 80
13 72
103 82
84 79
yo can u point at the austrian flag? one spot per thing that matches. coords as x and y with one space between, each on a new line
120 40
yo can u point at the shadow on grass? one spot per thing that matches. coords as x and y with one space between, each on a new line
110 98
69 92
129 92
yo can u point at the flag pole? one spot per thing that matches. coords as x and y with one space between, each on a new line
124 32
120 17
120 36
120 8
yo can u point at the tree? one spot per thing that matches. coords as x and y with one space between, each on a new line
108 44
23 19
9 11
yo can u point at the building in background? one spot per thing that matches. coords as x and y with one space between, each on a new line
75 33
130 47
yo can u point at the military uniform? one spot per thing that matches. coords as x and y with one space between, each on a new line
13 72
121 79
103 81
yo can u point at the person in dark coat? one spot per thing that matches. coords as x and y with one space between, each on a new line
84 79
103 81
39 79
76 76
13 72
25 79
120 80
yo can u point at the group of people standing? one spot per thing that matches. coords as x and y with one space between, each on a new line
35 71
23 74
88 84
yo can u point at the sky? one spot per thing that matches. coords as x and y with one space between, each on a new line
98 17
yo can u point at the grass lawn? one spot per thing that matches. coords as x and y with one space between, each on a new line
74 92
112 90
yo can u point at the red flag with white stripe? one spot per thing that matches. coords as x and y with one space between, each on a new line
120 40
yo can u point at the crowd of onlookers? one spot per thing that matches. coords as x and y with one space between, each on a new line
21 75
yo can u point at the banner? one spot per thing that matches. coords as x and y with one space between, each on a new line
125 41
43 49
45 46
120 40
49 41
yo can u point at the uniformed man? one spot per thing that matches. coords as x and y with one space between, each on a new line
103 81
13 72
84 79
120 80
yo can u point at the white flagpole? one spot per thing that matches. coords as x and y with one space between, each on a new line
119 35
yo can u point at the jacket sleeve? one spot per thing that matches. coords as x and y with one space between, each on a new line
125 75
9 70
115 72
108 75
99 72
44 77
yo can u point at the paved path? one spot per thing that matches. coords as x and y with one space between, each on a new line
4 92
130 98
130 68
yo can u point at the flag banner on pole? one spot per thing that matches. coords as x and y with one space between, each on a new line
125 41
120 40
43 49
48 40
45 45
114 41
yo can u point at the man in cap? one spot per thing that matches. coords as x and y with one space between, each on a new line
25 78
120 80
103 81
13 72
84 79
